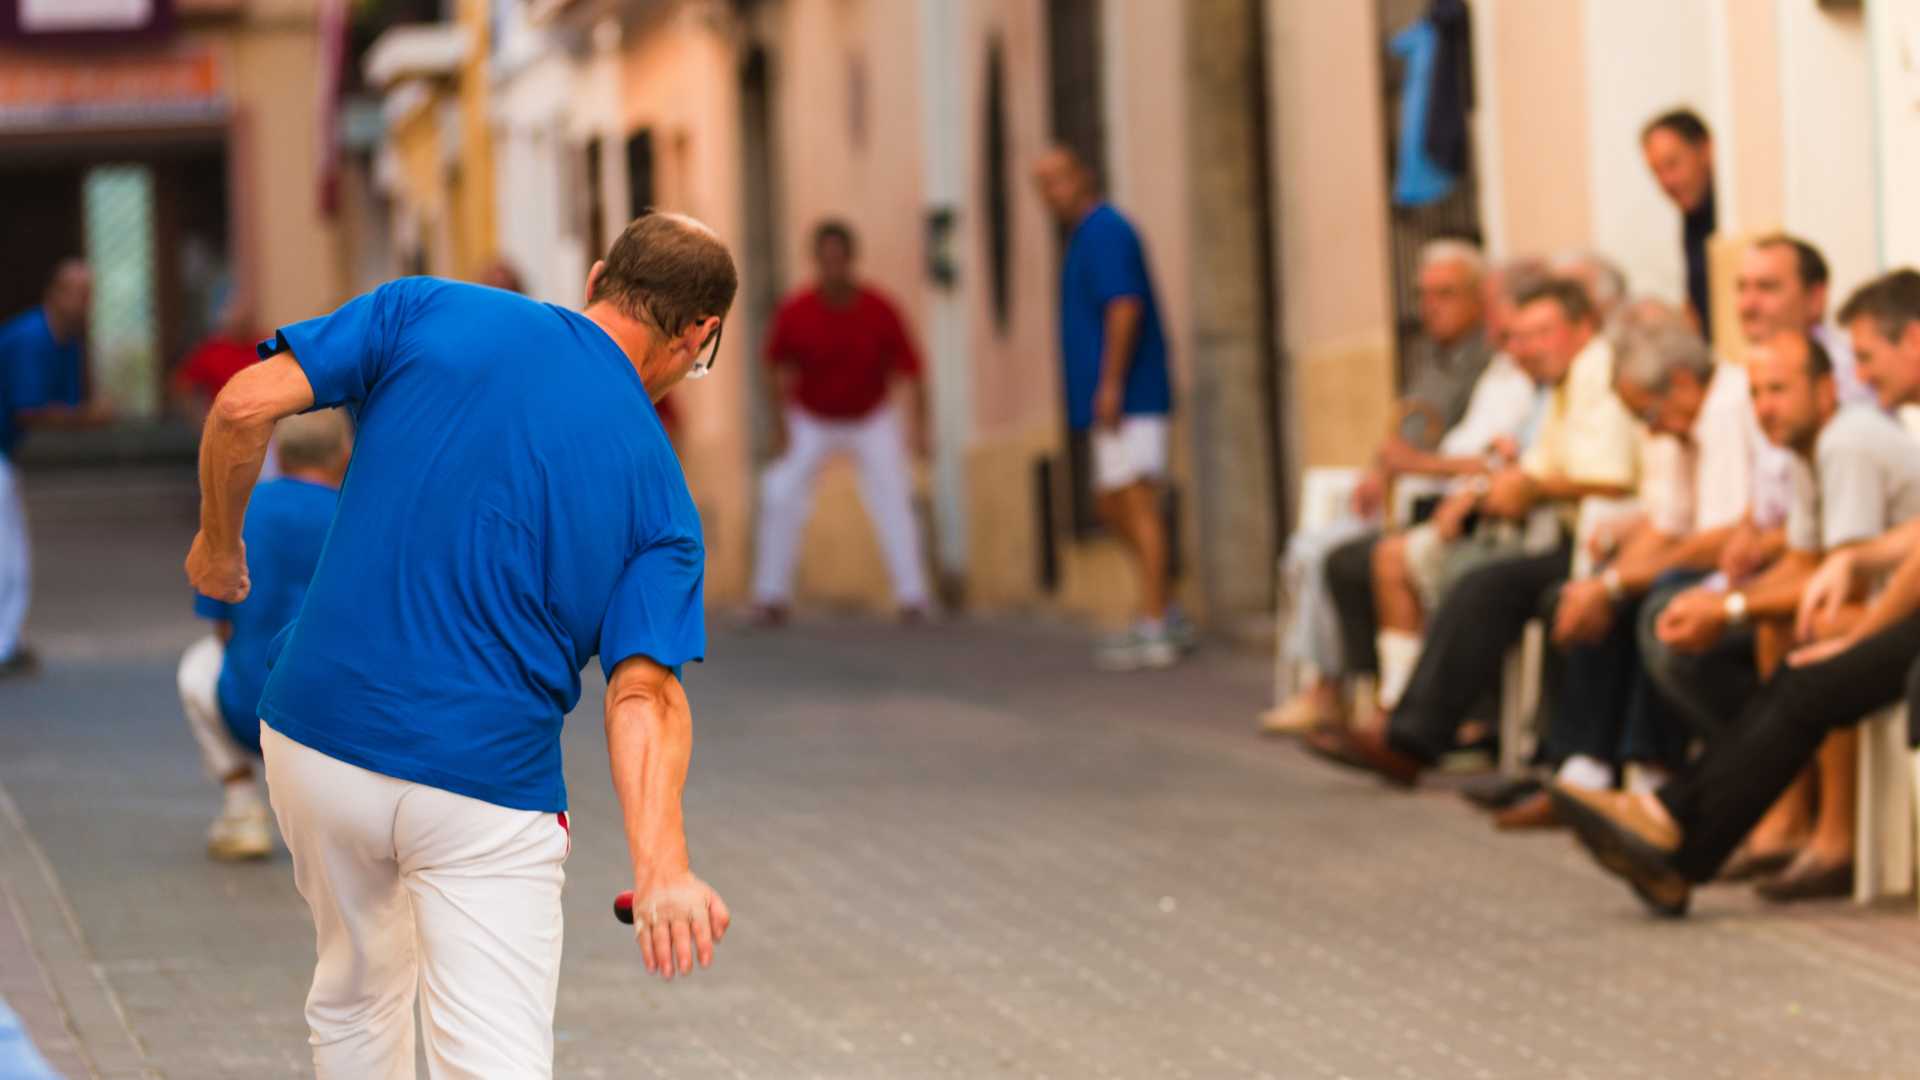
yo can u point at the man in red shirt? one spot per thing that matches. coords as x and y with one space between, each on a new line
225 353
837 352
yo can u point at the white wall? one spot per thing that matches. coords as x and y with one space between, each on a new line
1827 97
1643 57
1896 63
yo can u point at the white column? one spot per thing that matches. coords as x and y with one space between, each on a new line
944 157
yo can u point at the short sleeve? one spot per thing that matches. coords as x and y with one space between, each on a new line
904 357
1803 513
1117 266
208 608
657 609
1853 496
345 353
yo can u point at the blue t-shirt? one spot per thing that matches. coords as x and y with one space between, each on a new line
513 508
35 371
286 525
1104 263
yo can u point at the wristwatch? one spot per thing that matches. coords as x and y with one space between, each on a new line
1736 608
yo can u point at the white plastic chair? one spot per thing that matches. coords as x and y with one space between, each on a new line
1325 496
1520 698
1884 819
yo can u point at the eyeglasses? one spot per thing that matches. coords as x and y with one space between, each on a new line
712 350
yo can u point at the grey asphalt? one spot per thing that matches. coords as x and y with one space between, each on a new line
951 851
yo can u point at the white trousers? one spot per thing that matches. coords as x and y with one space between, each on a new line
16 569
199 680
1313 623
415 887
786 499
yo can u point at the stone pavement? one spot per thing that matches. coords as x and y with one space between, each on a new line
950 851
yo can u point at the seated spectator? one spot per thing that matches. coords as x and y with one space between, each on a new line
1457 385
221 676
1605 711
1587 446
1857 471
1781 288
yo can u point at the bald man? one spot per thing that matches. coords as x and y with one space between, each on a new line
1118 391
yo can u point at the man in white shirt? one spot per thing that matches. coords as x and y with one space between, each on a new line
1857 495
1693 498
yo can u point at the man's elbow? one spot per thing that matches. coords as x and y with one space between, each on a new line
242 410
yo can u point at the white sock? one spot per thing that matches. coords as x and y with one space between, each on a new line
1645 779
1399 653
1582 771
243 796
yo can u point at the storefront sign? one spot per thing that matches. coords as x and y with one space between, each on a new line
62 92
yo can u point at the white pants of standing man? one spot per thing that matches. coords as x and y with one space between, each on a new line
199 681
16 570
415 887
879 448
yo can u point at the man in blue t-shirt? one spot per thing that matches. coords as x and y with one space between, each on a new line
40 386
1117 389
221 675
513 509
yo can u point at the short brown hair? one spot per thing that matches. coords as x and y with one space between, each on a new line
1572 297
1809 265
1684 123
1892 301
669 270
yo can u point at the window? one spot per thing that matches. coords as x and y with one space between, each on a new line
640 187
998 196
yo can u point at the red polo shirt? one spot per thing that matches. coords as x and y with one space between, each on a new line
844 355
217 359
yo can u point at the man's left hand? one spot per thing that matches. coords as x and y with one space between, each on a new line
1510 494
1693 621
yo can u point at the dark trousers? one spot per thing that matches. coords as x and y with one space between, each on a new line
1604 702
1349 571
1729 789
1466 643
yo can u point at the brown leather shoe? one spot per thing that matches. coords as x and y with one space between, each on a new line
1333 744
1808 879
1630 844
1747 866
1533 812
1373 753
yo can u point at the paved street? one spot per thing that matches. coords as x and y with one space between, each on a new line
950 852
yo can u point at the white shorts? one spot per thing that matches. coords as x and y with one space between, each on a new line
1133 452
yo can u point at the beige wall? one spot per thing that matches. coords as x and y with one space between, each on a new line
1896 65
1541 94
297 266
1827 97
678 78
1337 318
1754 158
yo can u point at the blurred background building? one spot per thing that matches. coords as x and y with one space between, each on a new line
300 150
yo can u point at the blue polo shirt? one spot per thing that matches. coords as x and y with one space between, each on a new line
35 371
513 508
1104 263
286 524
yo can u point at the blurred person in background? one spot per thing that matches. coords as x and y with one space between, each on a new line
1857 496
204 372
1119 391
502 274
1457 384
41 385
1605 710
221 676
1679 152
1586 445
840 354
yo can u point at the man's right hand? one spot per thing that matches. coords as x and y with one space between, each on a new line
1370 494
218 575
1825 593
677 918
1744 555
1584 615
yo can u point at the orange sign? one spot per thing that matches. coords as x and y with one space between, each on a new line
90 90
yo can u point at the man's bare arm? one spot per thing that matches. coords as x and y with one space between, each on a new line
1639 565
232 447
1775 594
650 744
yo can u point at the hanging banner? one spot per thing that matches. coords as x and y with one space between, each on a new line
82 21
139 90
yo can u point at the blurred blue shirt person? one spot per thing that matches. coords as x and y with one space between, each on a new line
40 385
221 676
